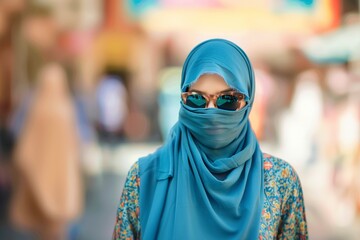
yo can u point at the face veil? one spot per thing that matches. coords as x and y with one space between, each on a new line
206 181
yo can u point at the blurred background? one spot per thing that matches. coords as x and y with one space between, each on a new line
88 86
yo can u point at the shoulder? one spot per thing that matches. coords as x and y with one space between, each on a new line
132 179
134 169
280 176
155 166
278 168
147 164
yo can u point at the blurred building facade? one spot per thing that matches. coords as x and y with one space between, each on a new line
307 103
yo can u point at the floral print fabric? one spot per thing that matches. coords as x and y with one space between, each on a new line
283 214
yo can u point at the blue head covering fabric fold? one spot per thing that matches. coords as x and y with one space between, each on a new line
206 181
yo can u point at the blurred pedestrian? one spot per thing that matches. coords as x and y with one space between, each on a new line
48 191
112 106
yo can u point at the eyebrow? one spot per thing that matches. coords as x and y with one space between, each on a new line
226 90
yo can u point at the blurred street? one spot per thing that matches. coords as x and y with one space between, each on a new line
89 86
104 190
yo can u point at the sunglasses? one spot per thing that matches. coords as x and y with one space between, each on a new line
230 100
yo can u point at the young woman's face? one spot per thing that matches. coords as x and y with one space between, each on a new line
210 84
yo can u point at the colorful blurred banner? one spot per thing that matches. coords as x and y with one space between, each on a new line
190 3
137 7
304 16
286 4
297 4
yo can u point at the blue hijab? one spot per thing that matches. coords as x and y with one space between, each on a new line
206 181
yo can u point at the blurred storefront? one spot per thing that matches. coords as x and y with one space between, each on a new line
131 52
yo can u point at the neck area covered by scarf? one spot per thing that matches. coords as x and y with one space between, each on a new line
206 181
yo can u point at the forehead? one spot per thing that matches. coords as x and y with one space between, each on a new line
210 83
222 57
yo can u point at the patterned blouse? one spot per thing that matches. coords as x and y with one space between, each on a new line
283 214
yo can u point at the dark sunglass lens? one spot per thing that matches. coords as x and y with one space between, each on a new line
196 101
227 102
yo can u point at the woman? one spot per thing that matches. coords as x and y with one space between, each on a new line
48 190
210 179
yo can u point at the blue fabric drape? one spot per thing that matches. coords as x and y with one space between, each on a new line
206 181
